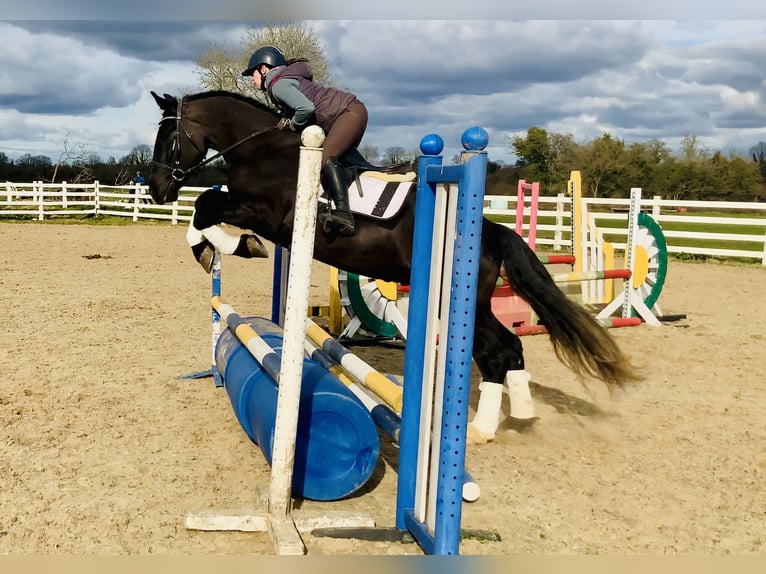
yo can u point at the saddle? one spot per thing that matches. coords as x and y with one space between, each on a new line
375 191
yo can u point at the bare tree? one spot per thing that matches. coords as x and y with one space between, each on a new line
84 175
93 159
370 152
296 40
73 153
124 175
692 150
140 155
394 155
758 152
220 68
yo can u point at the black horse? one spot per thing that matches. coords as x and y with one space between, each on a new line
263 165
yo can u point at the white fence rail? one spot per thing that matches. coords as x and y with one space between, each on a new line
45 200
746 226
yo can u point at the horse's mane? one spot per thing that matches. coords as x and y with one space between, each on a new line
234 95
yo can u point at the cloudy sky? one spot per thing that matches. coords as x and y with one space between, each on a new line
88 81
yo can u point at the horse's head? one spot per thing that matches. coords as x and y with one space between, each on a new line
177 148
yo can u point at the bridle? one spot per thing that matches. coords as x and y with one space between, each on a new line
176 171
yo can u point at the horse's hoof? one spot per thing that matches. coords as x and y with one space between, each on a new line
204 253
476 436
250 246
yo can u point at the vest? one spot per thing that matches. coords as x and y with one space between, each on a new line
328 102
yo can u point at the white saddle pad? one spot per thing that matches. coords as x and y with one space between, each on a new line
378 195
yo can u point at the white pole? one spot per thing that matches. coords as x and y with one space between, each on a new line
442 280
430 359
299 281
283 528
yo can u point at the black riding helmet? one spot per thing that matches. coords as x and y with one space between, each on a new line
268 55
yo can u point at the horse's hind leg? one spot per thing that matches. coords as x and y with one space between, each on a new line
499 355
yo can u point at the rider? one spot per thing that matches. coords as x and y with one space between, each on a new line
340 114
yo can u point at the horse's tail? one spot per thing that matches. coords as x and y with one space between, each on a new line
579 340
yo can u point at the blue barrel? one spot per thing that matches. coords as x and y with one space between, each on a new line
337 443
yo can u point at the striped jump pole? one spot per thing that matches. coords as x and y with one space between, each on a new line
258 347
591 275
384 416
556 259
337 446
381 385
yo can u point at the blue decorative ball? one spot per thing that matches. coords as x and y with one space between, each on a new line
432 144
475 139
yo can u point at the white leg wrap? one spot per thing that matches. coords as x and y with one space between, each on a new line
221 240
518 390
193 235
488 412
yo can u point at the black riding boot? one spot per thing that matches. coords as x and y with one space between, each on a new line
335 184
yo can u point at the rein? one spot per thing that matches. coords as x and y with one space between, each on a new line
178 173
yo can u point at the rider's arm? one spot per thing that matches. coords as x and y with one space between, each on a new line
286 91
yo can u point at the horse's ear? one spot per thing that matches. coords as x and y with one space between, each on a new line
167 103
159 100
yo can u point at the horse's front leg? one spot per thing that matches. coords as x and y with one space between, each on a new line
205 234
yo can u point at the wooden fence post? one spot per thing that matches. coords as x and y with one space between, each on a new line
96 197
656 207
763 261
